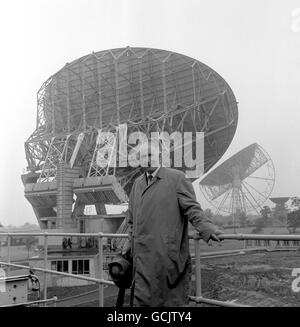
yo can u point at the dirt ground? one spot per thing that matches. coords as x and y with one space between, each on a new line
258 279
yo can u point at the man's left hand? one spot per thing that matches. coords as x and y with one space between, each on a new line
215 237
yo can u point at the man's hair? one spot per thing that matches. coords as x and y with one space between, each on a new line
153 147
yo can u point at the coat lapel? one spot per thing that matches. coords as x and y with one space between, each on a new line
155 180
143 183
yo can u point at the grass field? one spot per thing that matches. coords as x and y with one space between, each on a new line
256 279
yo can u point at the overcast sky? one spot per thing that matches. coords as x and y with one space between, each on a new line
254 45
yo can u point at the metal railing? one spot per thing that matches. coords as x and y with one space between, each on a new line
239 237
32 303
101 281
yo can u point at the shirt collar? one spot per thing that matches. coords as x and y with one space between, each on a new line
154 173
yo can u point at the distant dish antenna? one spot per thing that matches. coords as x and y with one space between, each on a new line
280 200
242 183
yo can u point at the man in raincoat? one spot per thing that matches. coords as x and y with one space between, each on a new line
161 203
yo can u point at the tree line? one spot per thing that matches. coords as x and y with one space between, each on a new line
280 215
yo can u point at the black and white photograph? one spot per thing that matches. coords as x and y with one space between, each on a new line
149 156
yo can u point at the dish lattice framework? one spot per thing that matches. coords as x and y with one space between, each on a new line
146 89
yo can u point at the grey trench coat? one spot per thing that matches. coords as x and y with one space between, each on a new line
158 227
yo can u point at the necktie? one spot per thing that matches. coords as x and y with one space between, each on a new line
150 177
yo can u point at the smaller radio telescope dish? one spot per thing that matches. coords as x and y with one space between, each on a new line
280 200
242 183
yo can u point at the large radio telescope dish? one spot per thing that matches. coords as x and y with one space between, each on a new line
242 183
118 91
146 89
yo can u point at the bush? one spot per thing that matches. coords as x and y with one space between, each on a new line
259 224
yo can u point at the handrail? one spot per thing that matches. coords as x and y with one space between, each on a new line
201 299
274 237
100 281
52 300
90 279
271 237
67 234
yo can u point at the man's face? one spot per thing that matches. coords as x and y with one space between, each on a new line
149 160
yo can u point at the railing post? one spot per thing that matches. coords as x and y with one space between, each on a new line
8 252
45 265
198 267
100 249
